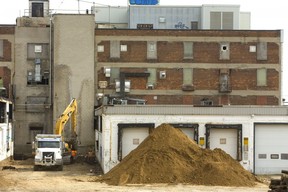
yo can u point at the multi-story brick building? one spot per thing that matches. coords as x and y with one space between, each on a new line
231 67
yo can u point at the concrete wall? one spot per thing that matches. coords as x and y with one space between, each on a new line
74 70
27 115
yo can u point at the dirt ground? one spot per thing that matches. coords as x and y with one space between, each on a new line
80 176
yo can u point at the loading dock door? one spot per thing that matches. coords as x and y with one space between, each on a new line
190 132
132 137
271 148
225 139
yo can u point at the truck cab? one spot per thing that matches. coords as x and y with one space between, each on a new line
48 150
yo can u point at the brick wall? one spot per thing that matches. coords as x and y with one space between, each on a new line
242 65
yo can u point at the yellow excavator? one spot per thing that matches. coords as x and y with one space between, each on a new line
71 143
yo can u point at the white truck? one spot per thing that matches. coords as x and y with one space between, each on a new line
48 149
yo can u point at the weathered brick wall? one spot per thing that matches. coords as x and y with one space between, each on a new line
206 65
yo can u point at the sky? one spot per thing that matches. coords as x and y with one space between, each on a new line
265 14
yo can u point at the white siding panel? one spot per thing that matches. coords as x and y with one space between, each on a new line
270 141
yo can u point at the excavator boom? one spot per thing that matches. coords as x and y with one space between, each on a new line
69 112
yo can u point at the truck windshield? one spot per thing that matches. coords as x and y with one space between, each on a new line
48 144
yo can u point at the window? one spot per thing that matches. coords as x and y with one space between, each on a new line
48 144
194 25
261 77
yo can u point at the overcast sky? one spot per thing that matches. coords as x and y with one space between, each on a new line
265 14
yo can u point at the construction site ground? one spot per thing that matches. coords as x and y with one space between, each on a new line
81 176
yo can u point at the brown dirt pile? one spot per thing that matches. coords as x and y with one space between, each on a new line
168 156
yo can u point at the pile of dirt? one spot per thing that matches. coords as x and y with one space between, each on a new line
167 155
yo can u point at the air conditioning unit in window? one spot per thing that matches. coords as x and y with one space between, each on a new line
162 74
150 86
187 87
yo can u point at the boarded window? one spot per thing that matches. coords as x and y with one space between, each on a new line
188 76
261 77
224 51
151 50
262 51
36 104
151 81
115 49
188 50
215 20
1 48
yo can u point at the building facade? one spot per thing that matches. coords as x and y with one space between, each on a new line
203 67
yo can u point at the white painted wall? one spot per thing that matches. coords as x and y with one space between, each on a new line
6 144
109 135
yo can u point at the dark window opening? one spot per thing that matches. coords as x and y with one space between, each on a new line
37 10
194 25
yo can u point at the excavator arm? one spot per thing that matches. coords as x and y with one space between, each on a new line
70 112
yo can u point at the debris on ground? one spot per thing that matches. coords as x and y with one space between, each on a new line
167 155
279 185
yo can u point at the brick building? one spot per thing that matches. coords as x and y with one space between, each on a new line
199 67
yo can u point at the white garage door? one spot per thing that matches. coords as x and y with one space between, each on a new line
225 139
189 132
271 148
132 137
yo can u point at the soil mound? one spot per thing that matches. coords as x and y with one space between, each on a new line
168 156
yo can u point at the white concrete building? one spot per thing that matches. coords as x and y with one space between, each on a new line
6 138
253 135
172 17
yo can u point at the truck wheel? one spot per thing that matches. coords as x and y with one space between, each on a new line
36 168
60 168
